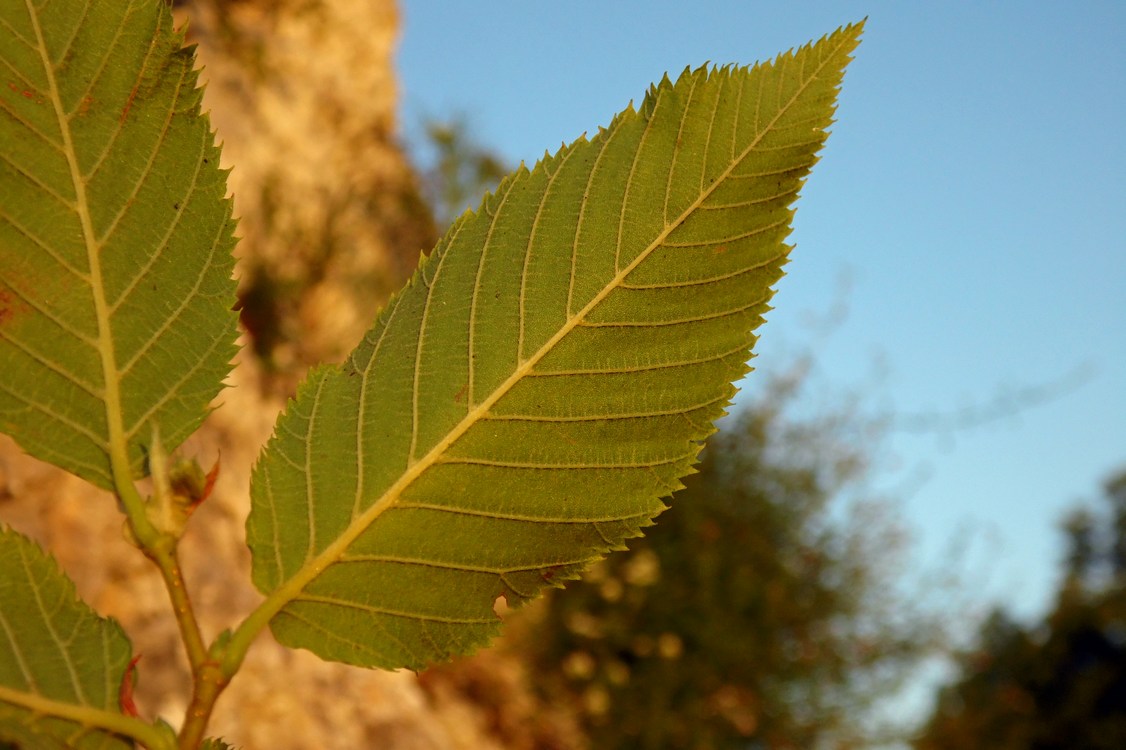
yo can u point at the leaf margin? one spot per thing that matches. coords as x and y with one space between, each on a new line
112 441
281 591
101 719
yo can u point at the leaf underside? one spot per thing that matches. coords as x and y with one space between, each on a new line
115 236
215 744
547 376
53 647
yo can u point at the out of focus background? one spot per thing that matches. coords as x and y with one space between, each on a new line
960 249
913 526
954 324
911 530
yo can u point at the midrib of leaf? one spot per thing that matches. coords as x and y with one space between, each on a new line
84 715
90 648
290 589
111 392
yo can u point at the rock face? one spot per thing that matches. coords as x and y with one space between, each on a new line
302 96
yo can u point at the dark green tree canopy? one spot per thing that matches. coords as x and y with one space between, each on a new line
756 611
1060 683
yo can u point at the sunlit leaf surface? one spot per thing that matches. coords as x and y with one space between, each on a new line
547 376
115 235
53 649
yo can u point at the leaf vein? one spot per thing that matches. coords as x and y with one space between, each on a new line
28 677
78 427
567 466
173 316
673 321
791 169
603 146
362 415
722 240
96 164
747 203
629 370
173 389
275 525
675 152
44 187
51 365
310 498
15 33
480 513
59 321
421 341
609 416
733 137
162 245
333 635
45 247
373 609
49 626
626 200
451 565
142 178
704 165
471 334
40 135
528 252
767 262
93 78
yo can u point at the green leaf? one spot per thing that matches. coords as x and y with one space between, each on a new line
214 744
115 236
547 376
60 663
17 736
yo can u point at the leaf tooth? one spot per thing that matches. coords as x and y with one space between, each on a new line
598 240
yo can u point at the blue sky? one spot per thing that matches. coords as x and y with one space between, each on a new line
973 193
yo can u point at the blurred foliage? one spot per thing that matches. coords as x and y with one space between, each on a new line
1060 684
497 682
460 171
762 611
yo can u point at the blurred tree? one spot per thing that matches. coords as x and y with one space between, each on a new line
460 169
1062 683
759 612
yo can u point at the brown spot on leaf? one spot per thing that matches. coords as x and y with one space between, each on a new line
128 105
548 574
9 306
26 93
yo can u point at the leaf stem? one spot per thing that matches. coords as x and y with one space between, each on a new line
156 540
162 550
88 716
111 393
167 560
209 681
248 630
157 544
